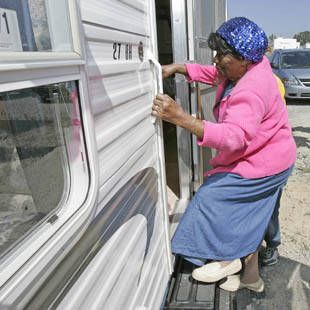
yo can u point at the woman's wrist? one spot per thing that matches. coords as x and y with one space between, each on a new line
168 70
180 68
194 125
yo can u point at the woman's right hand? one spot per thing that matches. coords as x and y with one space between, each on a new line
168 70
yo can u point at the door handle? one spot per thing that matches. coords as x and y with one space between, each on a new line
159 77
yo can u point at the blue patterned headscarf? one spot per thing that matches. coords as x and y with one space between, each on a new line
245 37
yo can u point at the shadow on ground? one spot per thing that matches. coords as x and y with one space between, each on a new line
302 129
287 287
301 140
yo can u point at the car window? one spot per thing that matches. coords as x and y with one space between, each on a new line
294 60
275 60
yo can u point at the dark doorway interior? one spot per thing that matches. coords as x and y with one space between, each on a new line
165 54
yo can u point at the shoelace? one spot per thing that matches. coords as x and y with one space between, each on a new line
269 252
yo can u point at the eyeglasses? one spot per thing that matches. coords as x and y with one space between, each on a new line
220 54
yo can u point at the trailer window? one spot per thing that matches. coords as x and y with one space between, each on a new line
39 128
34 25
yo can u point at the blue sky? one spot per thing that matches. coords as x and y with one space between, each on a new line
284 18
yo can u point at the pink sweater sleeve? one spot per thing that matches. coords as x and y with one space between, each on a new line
199 73
239 125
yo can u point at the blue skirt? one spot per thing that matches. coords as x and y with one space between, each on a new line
228 216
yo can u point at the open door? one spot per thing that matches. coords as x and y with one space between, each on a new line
183 28
203 18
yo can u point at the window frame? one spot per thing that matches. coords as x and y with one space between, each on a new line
21 60
37 236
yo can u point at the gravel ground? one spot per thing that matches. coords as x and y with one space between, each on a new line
295 204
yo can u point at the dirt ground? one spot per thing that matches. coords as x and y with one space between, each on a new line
295 203
288 282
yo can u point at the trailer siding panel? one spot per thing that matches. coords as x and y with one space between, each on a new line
121 87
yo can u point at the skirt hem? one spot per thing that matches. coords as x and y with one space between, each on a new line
189 255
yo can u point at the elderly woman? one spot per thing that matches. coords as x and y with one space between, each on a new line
228 216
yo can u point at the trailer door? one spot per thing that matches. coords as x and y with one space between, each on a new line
192 22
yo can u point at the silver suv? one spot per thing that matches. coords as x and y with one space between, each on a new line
292 66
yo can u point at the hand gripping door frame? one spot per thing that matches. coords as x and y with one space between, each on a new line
157 71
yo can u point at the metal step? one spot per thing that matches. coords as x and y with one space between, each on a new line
187 293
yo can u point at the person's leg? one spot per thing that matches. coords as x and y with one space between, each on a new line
249 278
250 273
272 237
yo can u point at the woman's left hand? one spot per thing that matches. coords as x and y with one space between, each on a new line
167 109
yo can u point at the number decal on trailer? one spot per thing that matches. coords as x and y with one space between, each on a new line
122 53
128 51
10 39
6 23
116 50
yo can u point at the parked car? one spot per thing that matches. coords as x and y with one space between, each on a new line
292 66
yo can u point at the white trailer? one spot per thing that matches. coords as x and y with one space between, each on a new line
285 43
83 189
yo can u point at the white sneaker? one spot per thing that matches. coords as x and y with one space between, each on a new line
214 272
233 284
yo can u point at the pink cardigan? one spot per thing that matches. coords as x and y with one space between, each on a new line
252 135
